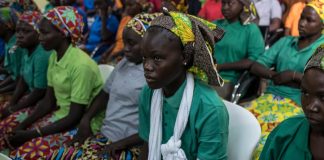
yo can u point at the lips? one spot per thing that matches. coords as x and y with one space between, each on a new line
149 78
313 120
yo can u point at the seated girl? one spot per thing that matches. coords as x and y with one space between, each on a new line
13 55
32 83
242 44
118 136
181 114
103 29
288 56
301 137
73 80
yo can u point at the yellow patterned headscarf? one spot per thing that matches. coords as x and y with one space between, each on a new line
197 37
318 6
141 22
249 13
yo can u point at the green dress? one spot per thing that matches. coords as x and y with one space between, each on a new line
290 140
206 134
239 42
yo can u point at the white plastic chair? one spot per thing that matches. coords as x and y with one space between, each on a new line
244 132
4 157
105 71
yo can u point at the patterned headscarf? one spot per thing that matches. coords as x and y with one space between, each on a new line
318 6
9 17
67 20
317 60
32 18
141 22
198 37
249 13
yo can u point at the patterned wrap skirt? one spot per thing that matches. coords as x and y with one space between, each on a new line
41 147
90 150
270 110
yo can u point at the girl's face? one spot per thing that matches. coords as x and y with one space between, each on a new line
231 9
49 36
132 47
27 36
313 97
310 23
163 59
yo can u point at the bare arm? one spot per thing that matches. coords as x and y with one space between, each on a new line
262 71
244 64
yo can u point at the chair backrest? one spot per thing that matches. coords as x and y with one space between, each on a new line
244 132
105 71
4 157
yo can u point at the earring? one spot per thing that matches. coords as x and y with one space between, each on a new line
185 63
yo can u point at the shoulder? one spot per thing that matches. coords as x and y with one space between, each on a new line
42 53
207 98
289 127
293 122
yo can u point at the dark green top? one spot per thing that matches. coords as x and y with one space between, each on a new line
13 58
34 68
239 42
206 134
285 55
288 141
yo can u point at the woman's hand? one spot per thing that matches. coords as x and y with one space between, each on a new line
283 77
112 150
19 137
84 132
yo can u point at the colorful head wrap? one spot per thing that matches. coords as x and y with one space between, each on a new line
141 22
198 37
317 60
32 18
318 6
249 13
67 20
9 17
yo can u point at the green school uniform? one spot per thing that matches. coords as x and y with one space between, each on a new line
13 56
34 68
239 42
289 140
75 78
285 55
206 134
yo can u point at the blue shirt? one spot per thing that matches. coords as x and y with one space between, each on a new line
95 31
88 4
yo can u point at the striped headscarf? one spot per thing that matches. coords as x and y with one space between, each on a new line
9 17
198 37
32 18
67 20
249 13
141 22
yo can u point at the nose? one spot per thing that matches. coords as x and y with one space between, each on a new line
314 106
302 23
148 66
